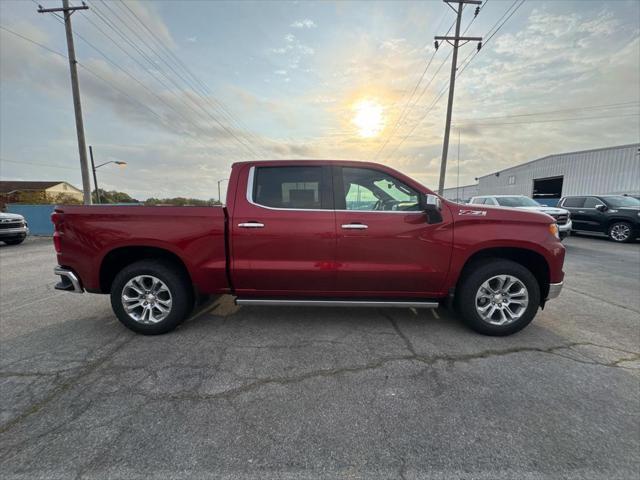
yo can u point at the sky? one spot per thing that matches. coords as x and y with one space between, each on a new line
181 90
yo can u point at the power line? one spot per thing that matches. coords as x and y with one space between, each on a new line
489 36
609 106
130 97
473 54
155 65
33 42
203 88
402 117
98 76
554 120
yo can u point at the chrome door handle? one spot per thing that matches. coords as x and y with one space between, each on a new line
580 211
355 226
251 225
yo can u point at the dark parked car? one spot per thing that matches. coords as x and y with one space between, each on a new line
616 216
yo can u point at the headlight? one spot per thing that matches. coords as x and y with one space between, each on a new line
553 230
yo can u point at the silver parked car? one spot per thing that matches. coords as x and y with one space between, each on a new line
13 228
562 216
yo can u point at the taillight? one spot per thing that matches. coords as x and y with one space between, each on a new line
56 218
57 242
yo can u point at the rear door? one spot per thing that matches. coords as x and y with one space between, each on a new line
283 231
575 206
385 247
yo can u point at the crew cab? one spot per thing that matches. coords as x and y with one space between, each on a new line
313 233
562 216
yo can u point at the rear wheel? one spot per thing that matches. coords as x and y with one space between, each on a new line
151 297
498 297
620 232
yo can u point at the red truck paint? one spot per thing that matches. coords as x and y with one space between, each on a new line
304 253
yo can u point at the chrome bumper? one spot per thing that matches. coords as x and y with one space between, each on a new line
554 290
69 281
13 232
566 227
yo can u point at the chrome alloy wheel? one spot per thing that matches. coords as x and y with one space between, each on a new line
146 299
502 300
620 232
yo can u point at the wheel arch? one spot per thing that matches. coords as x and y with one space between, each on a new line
530 259
118 258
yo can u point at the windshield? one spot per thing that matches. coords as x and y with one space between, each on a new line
621 202
517 202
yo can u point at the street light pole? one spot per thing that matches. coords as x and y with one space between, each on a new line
94 168
95 178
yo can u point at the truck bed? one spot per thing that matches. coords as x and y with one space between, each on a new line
93 239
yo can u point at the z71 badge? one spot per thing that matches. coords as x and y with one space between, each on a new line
477 213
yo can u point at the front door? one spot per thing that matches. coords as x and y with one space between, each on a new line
283 231
385 247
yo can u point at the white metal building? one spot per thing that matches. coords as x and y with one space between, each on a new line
462 193
611 170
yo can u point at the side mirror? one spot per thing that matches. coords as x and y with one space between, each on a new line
601 208
431 205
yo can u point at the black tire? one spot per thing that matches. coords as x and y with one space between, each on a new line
14 241
616 237
482 271
176 282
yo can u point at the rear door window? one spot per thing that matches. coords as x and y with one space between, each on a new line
295 187
477 201
574 202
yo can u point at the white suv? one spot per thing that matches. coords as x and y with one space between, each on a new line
562 216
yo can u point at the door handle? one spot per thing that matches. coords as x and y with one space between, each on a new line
580 211
355 226
251 225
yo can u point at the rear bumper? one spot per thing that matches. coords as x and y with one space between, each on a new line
69 281
554 290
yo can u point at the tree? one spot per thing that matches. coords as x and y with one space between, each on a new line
112 196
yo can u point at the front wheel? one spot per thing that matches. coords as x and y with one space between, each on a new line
620 232
14 241
151 297
498 297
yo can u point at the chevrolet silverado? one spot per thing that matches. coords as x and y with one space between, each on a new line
314 233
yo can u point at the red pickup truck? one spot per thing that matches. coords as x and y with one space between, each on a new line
320 233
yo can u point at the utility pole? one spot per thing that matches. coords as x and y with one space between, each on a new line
452 82
82 147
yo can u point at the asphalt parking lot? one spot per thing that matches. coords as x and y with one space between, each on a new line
262 393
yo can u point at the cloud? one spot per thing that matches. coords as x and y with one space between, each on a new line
305 23
191 39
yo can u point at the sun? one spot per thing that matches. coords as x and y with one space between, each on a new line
368 118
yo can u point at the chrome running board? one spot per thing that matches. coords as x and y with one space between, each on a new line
335 303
